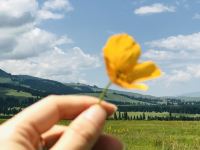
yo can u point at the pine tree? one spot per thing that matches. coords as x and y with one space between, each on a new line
143 116
115 116
119 115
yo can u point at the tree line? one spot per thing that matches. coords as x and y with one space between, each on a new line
12 105
125 116
186 108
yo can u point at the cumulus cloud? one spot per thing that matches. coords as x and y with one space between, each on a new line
158 55
56 64
178 76
196 16
29 44
20 12
179 42
19 35
153 9
194 70
25 48
46 14
188 73
58 5
17 12
19 28
7 43
33 43
54 9
18 7
171 56
178 55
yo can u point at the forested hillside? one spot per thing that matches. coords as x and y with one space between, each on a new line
20 91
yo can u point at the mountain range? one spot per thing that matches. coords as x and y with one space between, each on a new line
24 86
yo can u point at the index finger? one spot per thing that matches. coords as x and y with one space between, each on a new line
44 114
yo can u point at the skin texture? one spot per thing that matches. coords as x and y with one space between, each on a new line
35 126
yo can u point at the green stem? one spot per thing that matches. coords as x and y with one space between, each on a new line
103 93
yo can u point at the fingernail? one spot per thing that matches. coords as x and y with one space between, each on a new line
113 106
96 114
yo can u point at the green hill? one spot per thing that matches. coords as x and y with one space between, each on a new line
193 94
20 91
24 86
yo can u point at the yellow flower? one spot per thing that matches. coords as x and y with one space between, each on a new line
121 54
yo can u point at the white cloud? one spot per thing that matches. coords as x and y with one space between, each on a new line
19 35
158 55
58 5
178 76
46 14
178 66
178 56
25 48
196 16
17 8
17 12
179 42
9 36
194 70
30 44
54 9
153 9
63 40
7 43
182 75
56 64
171 56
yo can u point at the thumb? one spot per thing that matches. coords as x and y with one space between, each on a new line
84 131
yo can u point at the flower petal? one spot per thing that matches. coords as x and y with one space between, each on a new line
122 51
110 70
144 71
126 85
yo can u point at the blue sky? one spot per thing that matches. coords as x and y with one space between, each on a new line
63 39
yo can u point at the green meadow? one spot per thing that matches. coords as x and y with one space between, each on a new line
154 135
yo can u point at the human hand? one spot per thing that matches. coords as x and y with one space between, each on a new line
36 125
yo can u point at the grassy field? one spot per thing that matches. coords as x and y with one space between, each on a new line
12 92
155 135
